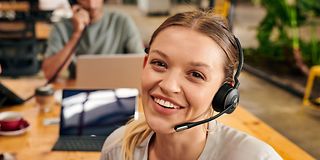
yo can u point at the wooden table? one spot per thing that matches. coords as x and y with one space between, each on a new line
37 142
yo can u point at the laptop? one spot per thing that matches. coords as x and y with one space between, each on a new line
88 116
17 91
109 71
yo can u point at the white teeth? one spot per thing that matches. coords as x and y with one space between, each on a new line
166 104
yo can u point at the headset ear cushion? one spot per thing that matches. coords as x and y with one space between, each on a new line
226 95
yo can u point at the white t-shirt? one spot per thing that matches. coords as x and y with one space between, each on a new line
223 143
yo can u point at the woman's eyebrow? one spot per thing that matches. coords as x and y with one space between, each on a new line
194 64
162 54
200 64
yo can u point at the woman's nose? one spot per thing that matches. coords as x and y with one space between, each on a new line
170 83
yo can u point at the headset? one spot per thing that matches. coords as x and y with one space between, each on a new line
227 97
228 94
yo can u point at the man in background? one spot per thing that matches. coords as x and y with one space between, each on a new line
91 30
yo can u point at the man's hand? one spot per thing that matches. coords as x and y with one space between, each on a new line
80 19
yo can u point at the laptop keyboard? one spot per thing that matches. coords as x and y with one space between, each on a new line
76 143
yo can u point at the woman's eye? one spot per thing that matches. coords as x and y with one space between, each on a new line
197 75
158 63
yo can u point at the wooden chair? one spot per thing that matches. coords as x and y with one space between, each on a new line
314 72
224 8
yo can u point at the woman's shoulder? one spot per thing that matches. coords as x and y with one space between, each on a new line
235 144
112 146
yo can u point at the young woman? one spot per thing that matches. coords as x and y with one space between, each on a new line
191 56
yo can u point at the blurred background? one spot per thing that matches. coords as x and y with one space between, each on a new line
280 83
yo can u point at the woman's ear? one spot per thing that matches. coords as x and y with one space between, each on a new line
145 60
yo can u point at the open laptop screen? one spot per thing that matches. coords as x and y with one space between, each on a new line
96 112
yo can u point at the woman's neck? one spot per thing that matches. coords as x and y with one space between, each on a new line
186 145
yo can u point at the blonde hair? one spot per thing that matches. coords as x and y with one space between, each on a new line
201 21
136 131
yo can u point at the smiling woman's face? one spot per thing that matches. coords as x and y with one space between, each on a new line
183 71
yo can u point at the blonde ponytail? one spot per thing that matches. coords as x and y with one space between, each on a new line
136 132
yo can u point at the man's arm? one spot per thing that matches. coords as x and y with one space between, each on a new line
51 64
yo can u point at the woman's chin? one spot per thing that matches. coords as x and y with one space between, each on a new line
161 128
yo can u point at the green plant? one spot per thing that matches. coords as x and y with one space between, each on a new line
278 33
